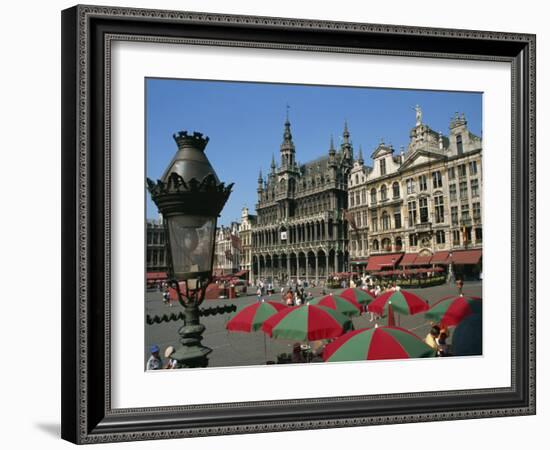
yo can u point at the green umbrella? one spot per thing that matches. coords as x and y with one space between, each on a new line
342 305
377 343
359 295
451 310
307 323
251 317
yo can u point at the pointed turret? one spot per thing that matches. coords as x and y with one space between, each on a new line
347 149
260 182
331 152
345 134
287 147
273 165
360 159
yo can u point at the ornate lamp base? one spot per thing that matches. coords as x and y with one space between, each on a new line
192 353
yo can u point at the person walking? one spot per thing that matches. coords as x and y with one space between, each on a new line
459 285
154 362
289 298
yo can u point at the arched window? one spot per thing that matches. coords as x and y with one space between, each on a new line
383 193
373 196
398 244
395 188
375 246
386 245
385 221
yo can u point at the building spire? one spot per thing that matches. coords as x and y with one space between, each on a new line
287 147
273 165
331 149
360 159
260 178
346 132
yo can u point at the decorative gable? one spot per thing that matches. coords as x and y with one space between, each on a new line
421 157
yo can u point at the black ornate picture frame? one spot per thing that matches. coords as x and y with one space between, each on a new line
87 35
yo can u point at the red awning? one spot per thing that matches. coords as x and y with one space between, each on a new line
151 276
241 273
422 259
440 258
466 256
379 261
408 259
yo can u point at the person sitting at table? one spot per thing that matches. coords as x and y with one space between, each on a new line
431 337
297 356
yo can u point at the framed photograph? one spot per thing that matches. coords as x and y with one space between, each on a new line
284 224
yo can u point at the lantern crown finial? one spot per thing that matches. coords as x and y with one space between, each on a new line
196 140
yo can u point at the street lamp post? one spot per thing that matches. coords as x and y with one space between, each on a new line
190 198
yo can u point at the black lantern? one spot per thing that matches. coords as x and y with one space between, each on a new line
190 198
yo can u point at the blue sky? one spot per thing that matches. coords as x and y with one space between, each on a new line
245 124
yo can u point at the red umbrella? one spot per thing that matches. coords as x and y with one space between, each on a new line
402 301
307 323
357 295
338 303
252 317
377 343
450 311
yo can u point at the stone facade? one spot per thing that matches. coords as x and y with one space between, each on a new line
156 250
426 199
248 221
301 232
227 251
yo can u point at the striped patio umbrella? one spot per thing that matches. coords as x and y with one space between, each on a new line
377 343
451 310
307 323
402 301
251 317
359 295
340 304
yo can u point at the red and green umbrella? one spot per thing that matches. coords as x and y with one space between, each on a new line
359 295
451 310
340 304
307 323
401 301
377 343
252 317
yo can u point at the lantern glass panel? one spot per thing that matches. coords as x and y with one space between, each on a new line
191 244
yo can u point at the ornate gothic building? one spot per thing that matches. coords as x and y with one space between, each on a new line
300 231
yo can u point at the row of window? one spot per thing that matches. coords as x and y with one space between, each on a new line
421 213
437 182
440 238
463 186
465 212
155 238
